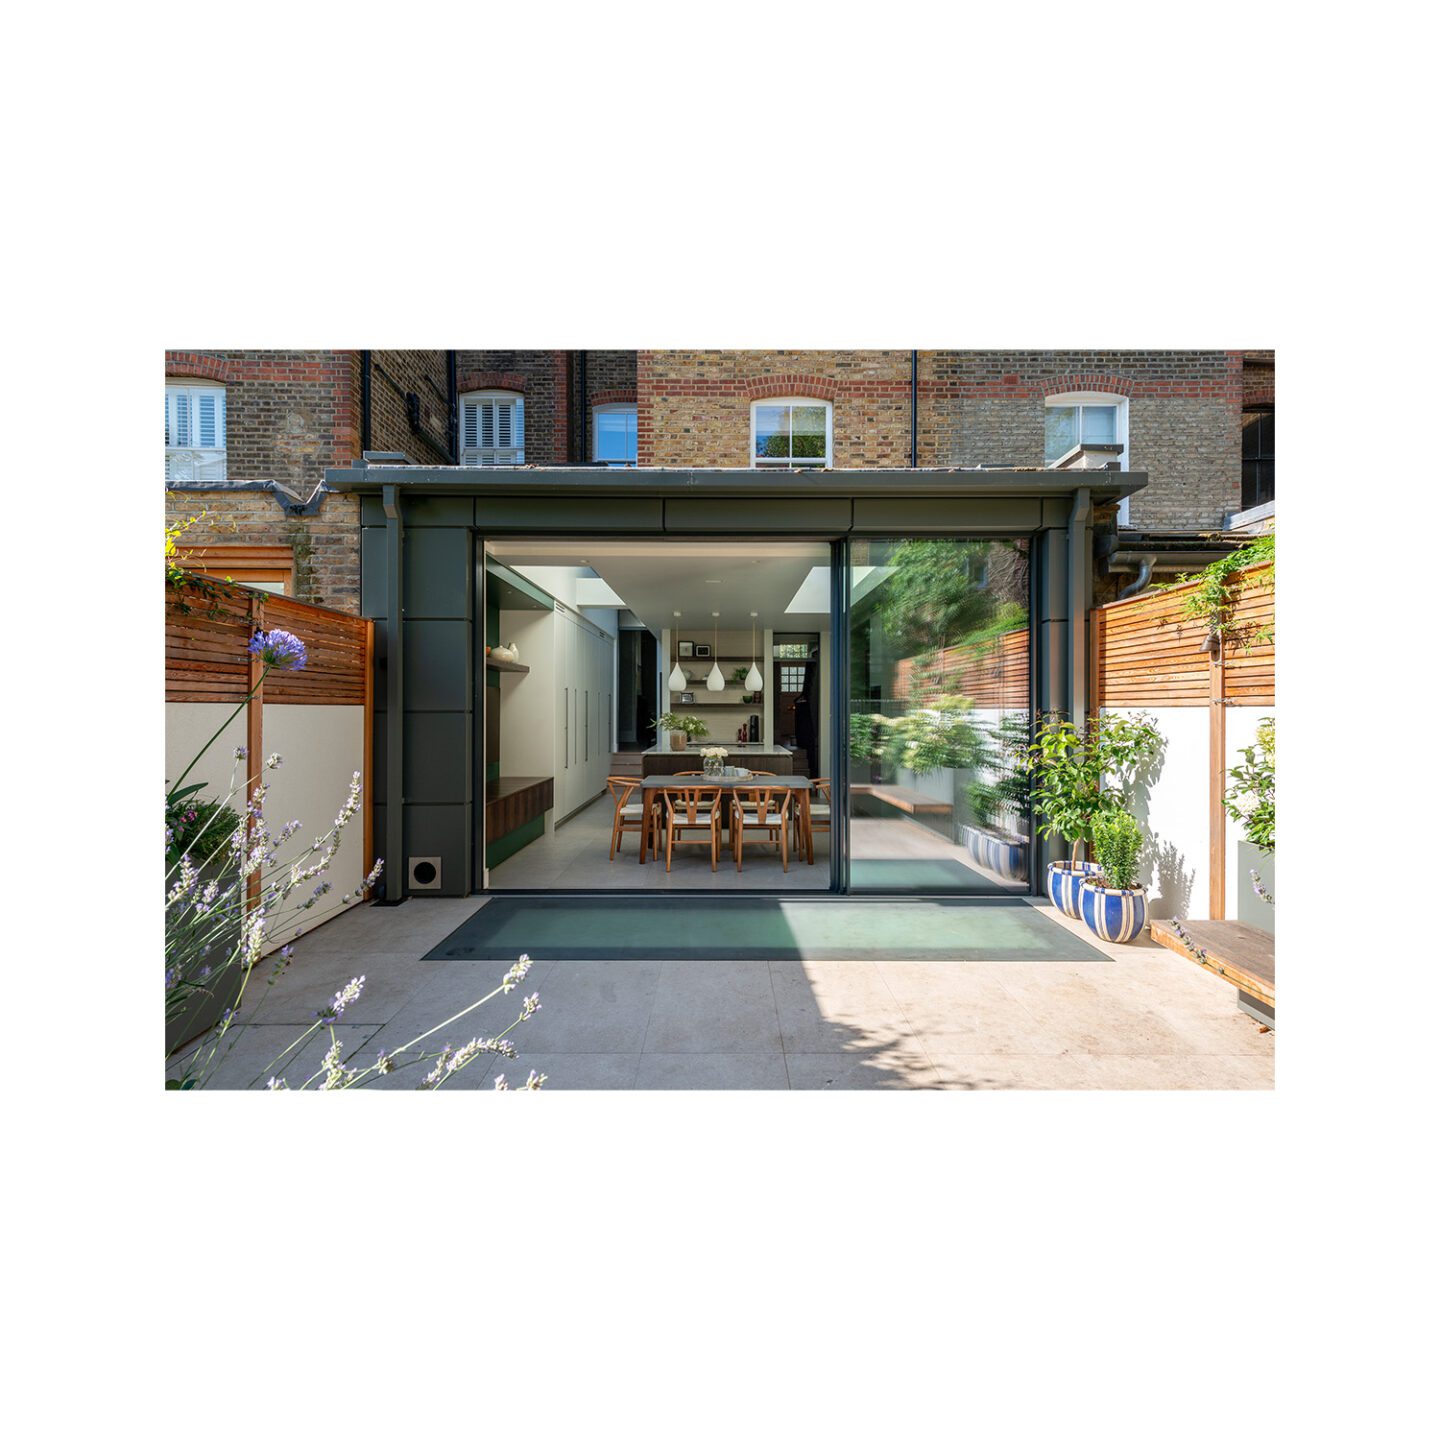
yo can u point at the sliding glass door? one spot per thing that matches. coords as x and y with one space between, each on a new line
939 713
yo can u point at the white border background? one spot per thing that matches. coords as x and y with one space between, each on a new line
695 1265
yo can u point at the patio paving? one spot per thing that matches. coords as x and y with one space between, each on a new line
1147 1021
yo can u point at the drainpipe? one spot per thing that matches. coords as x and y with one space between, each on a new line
914 409
364 401
1147 564
394 698
584 456
1079 603
452 399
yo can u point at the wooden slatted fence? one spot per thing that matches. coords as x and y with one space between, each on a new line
1147 653
208 625
993 673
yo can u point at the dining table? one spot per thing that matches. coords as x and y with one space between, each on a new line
654 785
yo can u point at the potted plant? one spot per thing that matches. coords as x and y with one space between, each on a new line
1250 801
682 728
1070 769
1112 904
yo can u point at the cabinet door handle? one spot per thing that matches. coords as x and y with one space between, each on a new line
567 727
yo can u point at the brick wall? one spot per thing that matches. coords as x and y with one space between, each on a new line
1258 377
609 379
975 408
984 407
543 377
288 413
326 545
395 374
694 405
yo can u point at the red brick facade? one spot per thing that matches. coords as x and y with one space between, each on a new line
290 415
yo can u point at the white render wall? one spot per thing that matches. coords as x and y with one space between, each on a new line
321 746
1175 811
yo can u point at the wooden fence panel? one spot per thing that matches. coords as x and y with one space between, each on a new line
1149 653
993 673
207 628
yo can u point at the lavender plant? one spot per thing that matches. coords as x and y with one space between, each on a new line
229 895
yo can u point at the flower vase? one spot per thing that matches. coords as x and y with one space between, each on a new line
714 767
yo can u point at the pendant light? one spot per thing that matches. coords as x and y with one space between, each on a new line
677 676
715 680
754 680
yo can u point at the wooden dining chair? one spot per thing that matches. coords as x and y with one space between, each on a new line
629 812
819 818
760 814
763 775
692 808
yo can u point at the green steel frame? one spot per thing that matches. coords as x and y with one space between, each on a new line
422 578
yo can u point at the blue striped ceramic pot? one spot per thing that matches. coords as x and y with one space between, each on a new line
1009 857
1114 915
1062 880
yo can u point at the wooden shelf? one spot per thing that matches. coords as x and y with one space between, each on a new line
513 667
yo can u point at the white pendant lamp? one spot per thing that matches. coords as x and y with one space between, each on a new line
677 676
754 680
715 680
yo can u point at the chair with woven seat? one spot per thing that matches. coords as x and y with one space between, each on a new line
692 808
819 818
629 813
761 815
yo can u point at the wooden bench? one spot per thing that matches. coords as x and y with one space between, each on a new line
1236 952
902 797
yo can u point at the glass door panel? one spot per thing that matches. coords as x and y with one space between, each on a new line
939 715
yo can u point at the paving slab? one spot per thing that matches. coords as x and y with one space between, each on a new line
721 1007
698 1071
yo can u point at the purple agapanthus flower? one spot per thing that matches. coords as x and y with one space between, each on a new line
279 649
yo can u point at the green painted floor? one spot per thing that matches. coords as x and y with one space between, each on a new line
758 927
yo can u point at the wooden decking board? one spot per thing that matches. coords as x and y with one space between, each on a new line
1238 953
912 802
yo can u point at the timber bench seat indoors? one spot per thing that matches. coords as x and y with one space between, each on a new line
1239 953
902 797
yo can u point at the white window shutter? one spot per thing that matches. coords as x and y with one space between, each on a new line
194 433
182 418
491 431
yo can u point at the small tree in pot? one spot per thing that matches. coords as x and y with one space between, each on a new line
1070 769
1112 903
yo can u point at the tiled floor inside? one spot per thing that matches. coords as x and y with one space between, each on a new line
1149 1020
577 857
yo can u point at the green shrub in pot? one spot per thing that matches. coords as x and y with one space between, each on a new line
1112 903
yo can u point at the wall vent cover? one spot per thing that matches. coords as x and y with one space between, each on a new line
424 872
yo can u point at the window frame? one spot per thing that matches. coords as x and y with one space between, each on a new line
609 407
515 397
791 463
193 388
1252 473
1109 400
